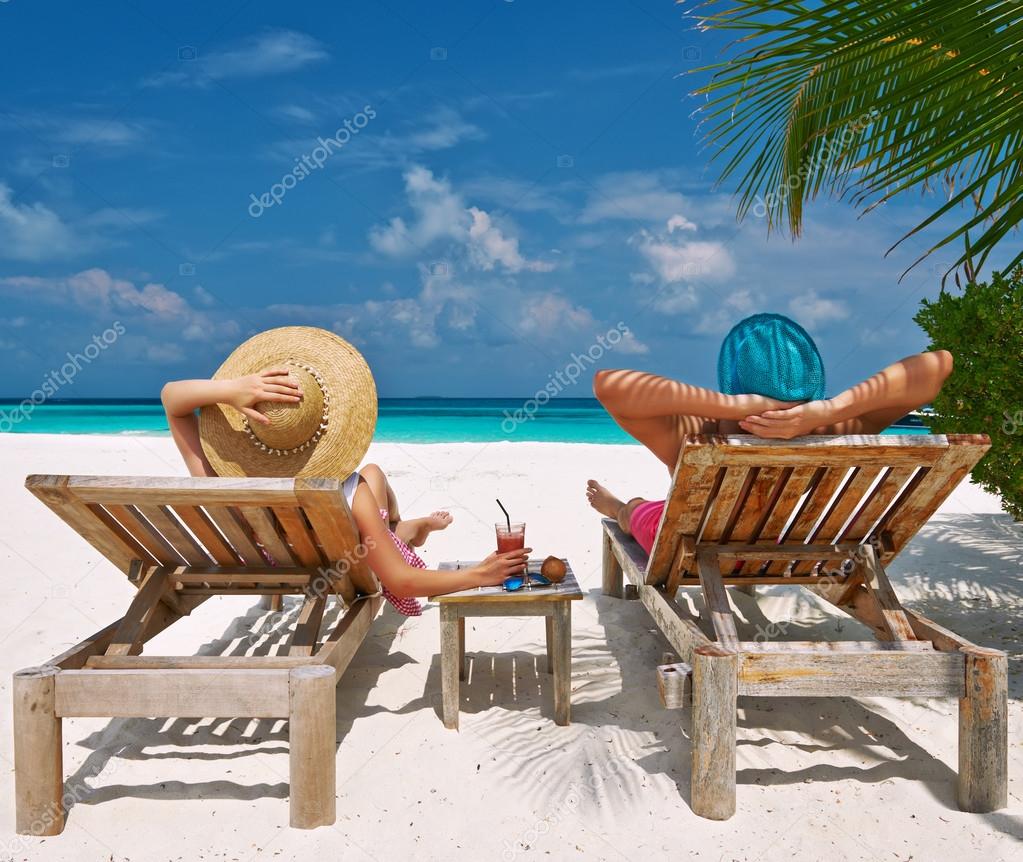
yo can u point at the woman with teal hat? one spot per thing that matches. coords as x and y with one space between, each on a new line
771 383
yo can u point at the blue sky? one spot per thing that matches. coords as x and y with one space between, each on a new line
514 179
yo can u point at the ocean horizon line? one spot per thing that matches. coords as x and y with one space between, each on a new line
422 419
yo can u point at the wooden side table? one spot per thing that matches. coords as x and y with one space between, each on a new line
554 603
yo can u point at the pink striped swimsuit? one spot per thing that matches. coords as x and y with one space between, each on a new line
409 605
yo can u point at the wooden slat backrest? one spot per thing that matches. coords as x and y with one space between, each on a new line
134 523
219 525
683 512
745 490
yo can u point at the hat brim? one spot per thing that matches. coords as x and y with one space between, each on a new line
223 431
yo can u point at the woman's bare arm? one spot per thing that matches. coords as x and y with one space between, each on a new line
641 395
405 580
868 407
659 411
181 398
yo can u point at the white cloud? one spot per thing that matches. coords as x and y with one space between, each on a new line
102 132
203 296
513 194
444 129
728 310
680 222
266 54
634 196
418 321
602 72
690 260
488 246
440 130
120 217
416 138
98 292
630 344
96 289
446 311
33 231
164 354
675 298
549 314
679 265
811 309
297 113
440 213
441 306
271 53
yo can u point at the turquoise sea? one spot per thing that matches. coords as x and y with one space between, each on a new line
408 420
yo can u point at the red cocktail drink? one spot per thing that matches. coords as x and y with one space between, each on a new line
510 538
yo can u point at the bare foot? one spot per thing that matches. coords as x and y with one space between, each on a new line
603 500
439 520
416 531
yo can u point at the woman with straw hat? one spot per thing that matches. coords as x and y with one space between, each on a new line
771 381
300 401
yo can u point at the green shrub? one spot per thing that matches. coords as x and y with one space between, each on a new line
983 329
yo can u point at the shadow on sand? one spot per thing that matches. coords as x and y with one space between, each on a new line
257 632
962 571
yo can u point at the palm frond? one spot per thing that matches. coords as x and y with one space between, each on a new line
868 99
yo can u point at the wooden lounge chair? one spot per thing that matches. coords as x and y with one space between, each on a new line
828 514
180 541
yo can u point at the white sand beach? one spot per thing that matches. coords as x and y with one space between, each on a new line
836 779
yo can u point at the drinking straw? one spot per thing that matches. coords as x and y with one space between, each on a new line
507 517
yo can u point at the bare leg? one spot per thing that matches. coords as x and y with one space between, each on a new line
610 506
376 478
414 531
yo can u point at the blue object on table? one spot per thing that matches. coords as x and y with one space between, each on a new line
517 582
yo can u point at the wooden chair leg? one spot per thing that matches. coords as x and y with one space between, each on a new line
716 597
613 575
38 755
562 649
715 688
312 733
272 603
461 647
449 665
549 625
983 732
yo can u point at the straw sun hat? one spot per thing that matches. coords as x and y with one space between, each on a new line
325 434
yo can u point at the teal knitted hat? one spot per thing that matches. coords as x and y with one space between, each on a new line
770 355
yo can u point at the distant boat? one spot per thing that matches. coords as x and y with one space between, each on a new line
916 419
